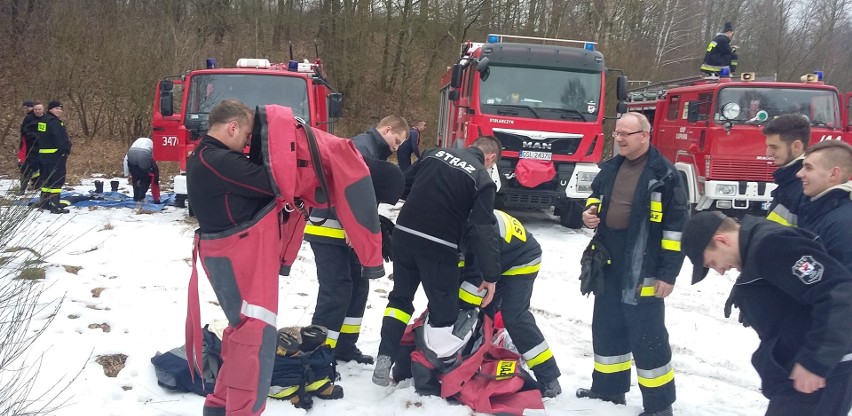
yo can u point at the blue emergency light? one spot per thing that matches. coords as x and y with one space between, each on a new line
293 66
493 39
725 72
589 46
211 63
819 75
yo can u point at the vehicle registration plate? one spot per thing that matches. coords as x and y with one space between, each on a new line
529 154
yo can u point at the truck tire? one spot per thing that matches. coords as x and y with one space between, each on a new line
180 200
570 213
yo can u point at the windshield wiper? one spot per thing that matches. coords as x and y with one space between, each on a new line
525 107
567 111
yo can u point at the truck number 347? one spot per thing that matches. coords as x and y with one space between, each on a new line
170 141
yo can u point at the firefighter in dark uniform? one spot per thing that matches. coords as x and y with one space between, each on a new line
787 138
720 53
28 158
638 205
520 261
342 295
449 192
796 297
54 148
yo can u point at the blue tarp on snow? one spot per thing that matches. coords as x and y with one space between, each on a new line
110 200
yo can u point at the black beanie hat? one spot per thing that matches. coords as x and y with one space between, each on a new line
729 27
53 104
388 181
27 103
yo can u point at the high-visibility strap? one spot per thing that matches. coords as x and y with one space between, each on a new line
51 190
47 151
317 385
284 393
613 364
324 231
331 339
471 294
538 354
648 287
398 314
655 377
259 312
529 268
351 325
671 240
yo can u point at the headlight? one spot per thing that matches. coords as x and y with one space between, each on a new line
726 189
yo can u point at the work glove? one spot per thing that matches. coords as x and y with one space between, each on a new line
592 263
731 303
387 231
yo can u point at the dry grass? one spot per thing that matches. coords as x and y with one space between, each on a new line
112 364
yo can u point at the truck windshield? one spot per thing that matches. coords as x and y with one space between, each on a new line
551 94
819 105
207 90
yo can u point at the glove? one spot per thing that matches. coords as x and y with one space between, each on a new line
387 240
731 303
594 259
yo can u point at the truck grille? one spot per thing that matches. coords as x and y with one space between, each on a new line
559 145
527 200
741 170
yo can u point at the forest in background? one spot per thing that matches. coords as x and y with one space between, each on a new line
102 58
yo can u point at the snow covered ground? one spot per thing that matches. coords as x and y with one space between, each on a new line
138 266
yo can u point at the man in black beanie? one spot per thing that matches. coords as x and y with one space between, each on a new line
28 148
54 148
720 53
796 297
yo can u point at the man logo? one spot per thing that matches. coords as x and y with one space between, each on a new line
808 270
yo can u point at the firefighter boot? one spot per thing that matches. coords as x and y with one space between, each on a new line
44 201
329 391
99 187
381 374
113 186
550 388
56 205
589 394
352 354
662 412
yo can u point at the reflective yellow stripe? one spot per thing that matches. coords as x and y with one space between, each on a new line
648 291
711 45
51 190
47 151
514 271
397 314
671 245
285 393
592 201
470 298
350 329
461 263
656 381
325 231
775 217
317 384
656 206
613 368
331 342
710 68
544 356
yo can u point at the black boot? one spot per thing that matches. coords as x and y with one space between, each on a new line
589 394
99 187
44 201
56 205
352 354
550 388
113 186
662 412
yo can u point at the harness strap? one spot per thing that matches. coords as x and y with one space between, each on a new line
317 162
193 337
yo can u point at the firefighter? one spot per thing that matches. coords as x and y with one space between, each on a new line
827 207
787 138
520 260
342 295
448 192
410 146
638 205
797 298
720 53
54 148
28 156
140 167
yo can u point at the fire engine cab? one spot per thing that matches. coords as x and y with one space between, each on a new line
182 103
543 99
711 129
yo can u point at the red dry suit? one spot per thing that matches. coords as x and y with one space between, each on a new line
243 263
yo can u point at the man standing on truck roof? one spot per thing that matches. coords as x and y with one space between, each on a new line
787 137
720 53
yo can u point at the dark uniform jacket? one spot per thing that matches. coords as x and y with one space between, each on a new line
797 298
235 189
449 196
407 148
830 217
371 146
520 253
788 196
52 137
719 54
29 134
657 216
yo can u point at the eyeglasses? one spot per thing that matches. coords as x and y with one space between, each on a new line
625 134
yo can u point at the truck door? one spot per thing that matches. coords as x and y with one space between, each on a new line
166 124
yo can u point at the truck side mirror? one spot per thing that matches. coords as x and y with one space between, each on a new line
621 88
453 95
166 98
482 68
621 107
335 105
457 76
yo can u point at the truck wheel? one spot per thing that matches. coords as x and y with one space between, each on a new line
180 200
570 214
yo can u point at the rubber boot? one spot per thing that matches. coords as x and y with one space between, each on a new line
56 205
99 187
113 186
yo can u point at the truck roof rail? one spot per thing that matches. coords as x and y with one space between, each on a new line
498 38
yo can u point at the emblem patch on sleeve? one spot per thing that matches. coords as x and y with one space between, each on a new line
808 270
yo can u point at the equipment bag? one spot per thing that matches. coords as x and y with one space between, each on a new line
592 264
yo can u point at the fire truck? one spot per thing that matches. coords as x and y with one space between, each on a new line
543 99
711 129
182 103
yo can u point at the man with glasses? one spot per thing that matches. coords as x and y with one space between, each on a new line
638 205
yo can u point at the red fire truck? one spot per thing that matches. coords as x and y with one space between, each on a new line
710 128
544 101
179 124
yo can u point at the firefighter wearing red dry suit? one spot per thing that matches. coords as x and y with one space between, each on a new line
250 227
